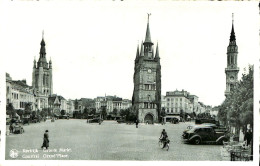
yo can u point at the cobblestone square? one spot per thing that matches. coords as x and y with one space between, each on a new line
77 140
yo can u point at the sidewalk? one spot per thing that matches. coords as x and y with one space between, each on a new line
226 153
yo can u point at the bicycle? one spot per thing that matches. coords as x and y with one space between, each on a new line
161 142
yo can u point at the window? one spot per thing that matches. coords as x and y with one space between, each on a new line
168 99
145 105
149 98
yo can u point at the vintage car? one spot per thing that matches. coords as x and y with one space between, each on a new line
175 120
18 128
26 121
204 120
95 120
120 121
36 120
204 134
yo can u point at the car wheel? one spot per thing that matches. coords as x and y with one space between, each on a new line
197 141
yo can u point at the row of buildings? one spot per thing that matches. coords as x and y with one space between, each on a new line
176 102
21 95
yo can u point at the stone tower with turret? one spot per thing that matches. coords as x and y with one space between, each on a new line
146 98
231 69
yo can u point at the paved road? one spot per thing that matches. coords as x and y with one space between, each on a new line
79 140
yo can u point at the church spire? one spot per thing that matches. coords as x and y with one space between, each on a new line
148 35
232 35
42 50
42 62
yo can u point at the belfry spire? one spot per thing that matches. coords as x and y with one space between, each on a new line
148 35
232 35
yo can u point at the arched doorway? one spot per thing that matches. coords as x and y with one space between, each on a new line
148 118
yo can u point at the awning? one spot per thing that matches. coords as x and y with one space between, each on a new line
172 116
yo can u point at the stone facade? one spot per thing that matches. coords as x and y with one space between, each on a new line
178 101
57 104
111 103
231 69
147 81
19 93
42 78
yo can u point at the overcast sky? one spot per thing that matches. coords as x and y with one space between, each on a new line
93 45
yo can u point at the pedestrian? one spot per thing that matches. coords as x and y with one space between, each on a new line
248 137
136 123
11 127
45 140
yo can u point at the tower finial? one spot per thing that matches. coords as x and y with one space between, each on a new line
232 18
148 16
42 34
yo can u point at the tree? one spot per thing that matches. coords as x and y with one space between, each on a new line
163 113
44 112
115 112
237 109
34 114
130 114
76 104
86 112
103 112
20 112
10 110
93 111
28 109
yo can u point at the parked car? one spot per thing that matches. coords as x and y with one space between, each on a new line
35 120
18 128
120 121
201 121
175 120
26 120
204 134
95 120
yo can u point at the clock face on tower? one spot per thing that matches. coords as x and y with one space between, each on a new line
231 78
149 71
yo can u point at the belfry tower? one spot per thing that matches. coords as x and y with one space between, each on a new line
147 81
42 78
231 69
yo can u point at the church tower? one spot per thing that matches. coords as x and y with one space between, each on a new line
42 78
231 69
147 81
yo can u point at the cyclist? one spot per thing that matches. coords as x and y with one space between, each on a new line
164 138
